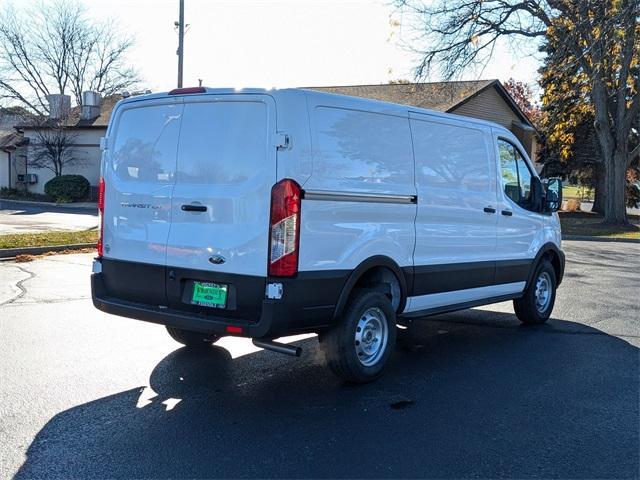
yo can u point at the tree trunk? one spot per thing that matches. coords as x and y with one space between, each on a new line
600 189
615 211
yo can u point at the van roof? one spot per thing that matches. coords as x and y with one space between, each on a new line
348 101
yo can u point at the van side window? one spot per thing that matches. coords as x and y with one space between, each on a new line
451 157
524 179
509 171
516 175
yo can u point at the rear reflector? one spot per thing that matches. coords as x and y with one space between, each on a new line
101 191
188 90
232 329
284 237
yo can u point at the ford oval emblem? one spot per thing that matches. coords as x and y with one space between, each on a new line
217 259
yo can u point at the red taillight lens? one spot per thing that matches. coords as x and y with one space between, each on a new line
284 228
101 187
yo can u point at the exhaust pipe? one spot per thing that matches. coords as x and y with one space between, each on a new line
268 344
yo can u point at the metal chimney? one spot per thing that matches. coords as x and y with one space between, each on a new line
59 105
90 105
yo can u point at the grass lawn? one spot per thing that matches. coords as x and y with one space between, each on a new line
587 223
571 191
47 239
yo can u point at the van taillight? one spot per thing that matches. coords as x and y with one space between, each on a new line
284 237
101 213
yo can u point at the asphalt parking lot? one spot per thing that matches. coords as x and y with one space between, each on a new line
468 394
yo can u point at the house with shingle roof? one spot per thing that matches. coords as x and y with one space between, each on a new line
87 123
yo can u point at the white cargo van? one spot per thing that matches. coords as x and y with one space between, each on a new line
265 213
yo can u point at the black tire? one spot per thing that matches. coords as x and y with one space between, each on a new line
529 309
346 356
192 339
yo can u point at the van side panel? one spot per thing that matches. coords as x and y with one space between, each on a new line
295 161
357 152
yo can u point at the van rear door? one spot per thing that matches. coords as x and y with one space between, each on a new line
139 167
139 170
226 167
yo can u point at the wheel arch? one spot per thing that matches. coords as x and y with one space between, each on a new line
370 268
555 256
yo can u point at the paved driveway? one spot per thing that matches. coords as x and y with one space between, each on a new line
586 207
17 217
468 394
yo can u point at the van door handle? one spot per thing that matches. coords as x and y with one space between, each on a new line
507 213
193 208
489 209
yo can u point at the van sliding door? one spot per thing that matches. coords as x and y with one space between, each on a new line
456 219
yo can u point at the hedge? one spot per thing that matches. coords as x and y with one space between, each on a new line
67 188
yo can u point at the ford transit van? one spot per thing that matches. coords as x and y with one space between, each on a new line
266 213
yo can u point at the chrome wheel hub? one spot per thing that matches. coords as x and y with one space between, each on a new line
371 336
543 292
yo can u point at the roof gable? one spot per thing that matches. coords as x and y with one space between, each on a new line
441 96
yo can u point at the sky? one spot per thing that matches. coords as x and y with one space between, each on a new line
278 43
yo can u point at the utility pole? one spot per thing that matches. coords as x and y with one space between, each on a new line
180 43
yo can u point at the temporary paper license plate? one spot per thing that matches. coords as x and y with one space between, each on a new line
209 294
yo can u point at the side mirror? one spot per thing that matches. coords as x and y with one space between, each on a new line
553 194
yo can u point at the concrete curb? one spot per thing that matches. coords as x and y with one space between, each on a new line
587 238
6 253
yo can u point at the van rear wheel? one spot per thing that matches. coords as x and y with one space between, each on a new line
359 347
535 306
192 339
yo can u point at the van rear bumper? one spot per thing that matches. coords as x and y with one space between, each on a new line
183 320
308 305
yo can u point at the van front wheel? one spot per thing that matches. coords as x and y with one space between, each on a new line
536 304
192 339
358 348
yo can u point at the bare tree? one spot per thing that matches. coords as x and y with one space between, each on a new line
53 146
55 49
599 37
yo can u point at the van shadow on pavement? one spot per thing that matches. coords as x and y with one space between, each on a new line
559 400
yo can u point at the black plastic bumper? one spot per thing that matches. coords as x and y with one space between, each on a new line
184 320
308 304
